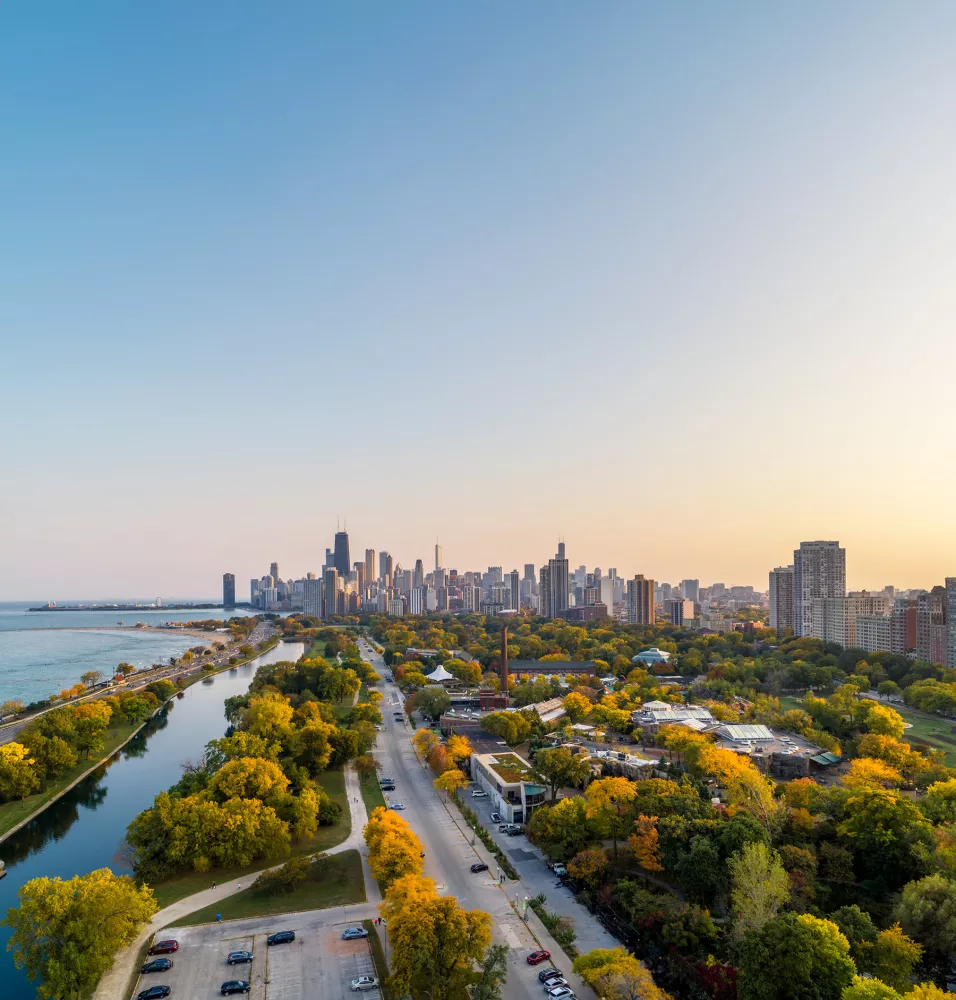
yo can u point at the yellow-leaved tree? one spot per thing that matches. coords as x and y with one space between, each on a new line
614 974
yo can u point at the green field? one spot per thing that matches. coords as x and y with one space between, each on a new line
12 813
372 793
341 884
186 883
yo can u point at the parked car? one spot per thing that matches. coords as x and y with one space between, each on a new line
495 818
546 974
388 788
398 806
537 957
479 868
238 957
365 983
351 933
386 781
281 937
559 870
554 983
157 965
154 993
515 831
560 993
234 986
479 793
164 947
503 827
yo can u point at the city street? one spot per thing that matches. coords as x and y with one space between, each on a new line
448 854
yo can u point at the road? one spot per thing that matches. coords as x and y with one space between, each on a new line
448 854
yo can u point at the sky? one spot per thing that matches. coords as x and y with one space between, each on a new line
672 282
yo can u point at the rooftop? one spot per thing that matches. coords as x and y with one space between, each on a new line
508 766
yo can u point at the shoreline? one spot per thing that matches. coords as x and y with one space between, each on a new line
269 644
199 633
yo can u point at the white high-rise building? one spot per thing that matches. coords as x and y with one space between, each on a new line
819 573
781 597
312 598
438 556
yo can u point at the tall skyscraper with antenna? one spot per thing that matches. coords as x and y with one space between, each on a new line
341 559
438 556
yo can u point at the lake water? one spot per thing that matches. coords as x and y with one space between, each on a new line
84 830
43 652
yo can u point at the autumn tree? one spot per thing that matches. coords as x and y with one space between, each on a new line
452 781
759 887
65 934
458 748
91 678
18 772
424 740
885 721
577 706
867 772
561 829
616 975
644 842
393 849
893 958
589 866
609 804
559 768
367 765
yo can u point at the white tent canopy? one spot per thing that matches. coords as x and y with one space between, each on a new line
439 674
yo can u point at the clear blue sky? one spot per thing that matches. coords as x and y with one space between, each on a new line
674 281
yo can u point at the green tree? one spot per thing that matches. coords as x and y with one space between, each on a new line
940 802
559 768
91 678
927 912
759 887
432 701
700 871
795 957
494 972
53 755
563 829
869 989
858 928
65 934
89 733
893 958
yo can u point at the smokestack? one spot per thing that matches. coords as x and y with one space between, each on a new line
504 657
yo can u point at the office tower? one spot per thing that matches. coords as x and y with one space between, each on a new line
341 560
819 573
717 590
640 601
358 573
494 575
254 593
591 595
544 592
438 559
418 574
330 592
267 581
931 625
515 586
950 621
228 590
312 598
607 593
781 597
690 589
416 601
560 583
503 657
274 572
370 566
385 568
529 571
678 610
267 597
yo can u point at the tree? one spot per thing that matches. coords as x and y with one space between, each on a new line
940 802
577 706
616 975
893 958
268 715
91 678
311 745
249 778
927 912
367 765
65 934
559 768
759 887
561 829
700 871
494 972
18 772
867 772
452 781
887 688
425 740
902 756
432 701
609 801
644 842
794 957
13 706
393 849
885 721
869 989
458 748
858 928
53 755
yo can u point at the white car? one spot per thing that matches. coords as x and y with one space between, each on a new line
479 794
559 992
365 983
398 806
553 983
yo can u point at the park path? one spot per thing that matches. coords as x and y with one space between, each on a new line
115 982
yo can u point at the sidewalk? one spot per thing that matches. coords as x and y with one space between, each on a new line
113 984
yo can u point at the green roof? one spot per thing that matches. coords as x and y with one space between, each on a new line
826 758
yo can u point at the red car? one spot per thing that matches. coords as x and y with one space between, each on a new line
538 956
164 947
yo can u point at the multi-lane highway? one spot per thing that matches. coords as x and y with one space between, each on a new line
449 852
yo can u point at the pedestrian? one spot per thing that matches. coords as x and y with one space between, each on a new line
218 917
239 886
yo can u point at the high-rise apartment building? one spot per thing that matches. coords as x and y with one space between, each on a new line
515 586
691 590
640 601
679 610
781 597
312 598
370 566
330 593
385 568
544 592
341 560
819 573
254 593
559 582
274 573
951 622
438 556
228 590
931 631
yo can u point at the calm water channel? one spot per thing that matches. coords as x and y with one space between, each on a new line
84 830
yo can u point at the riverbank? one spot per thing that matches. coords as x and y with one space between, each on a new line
16 815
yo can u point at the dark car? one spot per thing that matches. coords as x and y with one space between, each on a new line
514 831
388 788
234 986
479 868
281 937
545 974
157 965
154 993
164 947
238 957
536 957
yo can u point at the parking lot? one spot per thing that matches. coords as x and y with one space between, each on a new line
317 964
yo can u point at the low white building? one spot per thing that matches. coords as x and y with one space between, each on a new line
651 657
650 717
502 776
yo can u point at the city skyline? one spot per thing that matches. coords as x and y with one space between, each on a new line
726 219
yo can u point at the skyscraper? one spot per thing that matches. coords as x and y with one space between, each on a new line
515 582
931 625
228 590
690 589
341 559
330 592
951 622
254 593
370 566
640 601
418 574
819 572
385 568
544 592
781 597
560 583
274 572
438 559
312 598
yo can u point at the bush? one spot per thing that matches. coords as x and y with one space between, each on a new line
503 862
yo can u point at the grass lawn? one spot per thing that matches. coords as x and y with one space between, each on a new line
12 813
372 793
186 883
341 884
378 958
